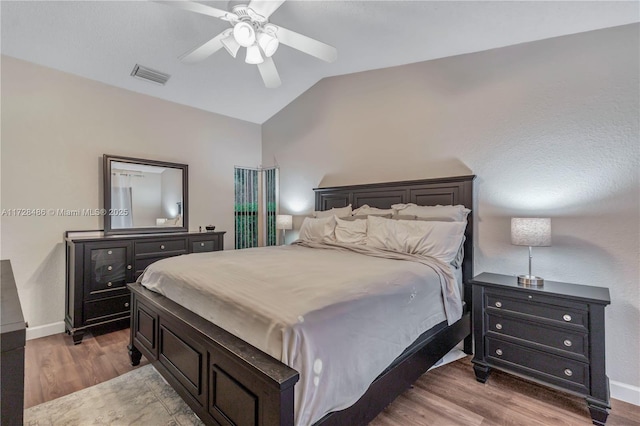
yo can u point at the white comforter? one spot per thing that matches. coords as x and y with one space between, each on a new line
337 314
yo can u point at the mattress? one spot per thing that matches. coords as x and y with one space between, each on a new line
337 314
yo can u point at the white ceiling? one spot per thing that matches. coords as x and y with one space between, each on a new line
104 40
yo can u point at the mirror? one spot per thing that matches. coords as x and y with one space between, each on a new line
144 196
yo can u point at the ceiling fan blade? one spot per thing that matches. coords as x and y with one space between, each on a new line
306 44
269 74
205 50
200 8
265 7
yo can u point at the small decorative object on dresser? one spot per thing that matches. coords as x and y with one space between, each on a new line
100 267
552 335
532 232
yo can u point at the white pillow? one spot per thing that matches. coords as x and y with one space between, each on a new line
366 210
456 213
351 231
440 240
340 212
318 230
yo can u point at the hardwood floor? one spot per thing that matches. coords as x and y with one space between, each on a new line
446 396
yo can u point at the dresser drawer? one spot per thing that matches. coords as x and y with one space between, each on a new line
106 309
156 248
561 315
561 371
574 342
108 269
203 246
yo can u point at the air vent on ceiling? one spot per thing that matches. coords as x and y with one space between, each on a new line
150 75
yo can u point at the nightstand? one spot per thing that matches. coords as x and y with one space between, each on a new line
553 335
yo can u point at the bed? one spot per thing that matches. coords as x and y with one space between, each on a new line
229 381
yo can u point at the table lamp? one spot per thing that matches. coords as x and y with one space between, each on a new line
284 222
532 232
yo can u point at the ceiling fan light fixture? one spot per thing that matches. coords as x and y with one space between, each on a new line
253 55
244 34
230 44
268 43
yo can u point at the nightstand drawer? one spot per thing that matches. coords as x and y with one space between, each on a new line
562 315
564 340
563 372
159 247
107 309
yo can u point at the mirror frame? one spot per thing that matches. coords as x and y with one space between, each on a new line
108 230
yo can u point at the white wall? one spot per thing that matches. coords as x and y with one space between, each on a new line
550 128
55 129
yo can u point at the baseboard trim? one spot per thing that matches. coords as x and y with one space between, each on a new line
625 392
45 330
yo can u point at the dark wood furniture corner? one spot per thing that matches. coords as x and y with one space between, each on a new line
553 335
227 381
99 268
12 342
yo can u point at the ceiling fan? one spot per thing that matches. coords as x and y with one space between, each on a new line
251 29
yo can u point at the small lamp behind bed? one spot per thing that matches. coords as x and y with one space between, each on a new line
532 232
284 222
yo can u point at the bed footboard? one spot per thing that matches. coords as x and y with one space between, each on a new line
223 379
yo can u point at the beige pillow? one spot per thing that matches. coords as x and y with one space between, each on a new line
352 231
366 210
320 230
336 211
437 239
456 213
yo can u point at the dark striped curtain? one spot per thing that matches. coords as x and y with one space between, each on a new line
256 206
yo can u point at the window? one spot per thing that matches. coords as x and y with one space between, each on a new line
256 206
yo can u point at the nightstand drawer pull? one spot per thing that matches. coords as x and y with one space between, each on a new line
568 343
498 305
161 246
201 244
566 317
568 372
498 351
110 252
498 326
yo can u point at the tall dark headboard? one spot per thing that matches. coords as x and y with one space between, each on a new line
427 192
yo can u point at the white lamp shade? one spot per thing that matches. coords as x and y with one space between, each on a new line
268 43
284 221
530 231
253 55
244 34
231 44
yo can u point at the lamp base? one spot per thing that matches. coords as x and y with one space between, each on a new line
530 281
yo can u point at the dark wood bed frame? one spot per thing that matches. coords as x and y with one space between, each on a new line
226 381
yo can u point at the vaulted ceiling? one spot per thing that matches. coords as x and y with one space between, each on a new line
103 41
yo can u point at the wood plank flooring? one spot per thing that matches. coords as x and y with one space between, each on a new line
446 396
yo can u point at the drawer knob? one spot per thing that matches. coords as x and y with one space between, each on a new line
128 266
568 372
109 268
110 252
498 351
109 284
566 317
498 305
498 326
568 343
126 305
161 246
201 244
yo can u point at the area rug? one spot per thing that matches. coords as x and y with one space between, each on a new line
140 397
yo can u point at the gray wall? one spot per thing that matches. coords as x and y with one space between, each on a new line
55 129
550 128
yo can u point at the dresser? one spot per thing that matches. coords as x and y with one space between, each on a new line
99 267
12 342
553 335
